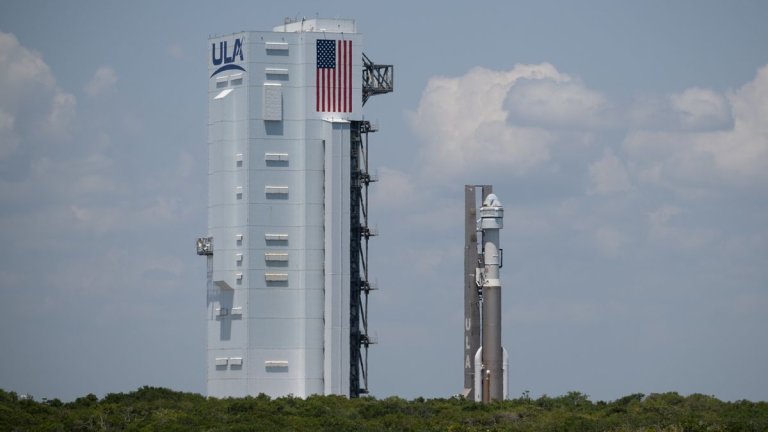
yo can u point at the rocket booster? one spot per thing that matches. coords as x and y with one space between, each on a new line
493 371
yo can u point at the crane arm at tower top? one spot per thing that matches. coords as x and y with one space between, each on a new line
377 79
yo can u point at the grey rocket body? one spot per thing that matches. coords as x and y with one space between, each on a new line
486 376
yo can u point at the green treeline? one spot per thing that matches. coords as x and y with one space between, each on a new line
160 409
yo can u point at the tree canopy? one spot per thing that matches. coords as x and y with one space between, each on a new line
161 409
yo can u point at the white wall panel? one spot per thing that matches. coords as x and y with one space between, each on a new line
279 303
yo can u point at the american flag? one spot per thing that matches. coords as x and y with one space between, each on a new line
334 76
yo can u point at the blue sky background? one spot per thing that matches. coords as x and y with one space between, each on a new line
627 140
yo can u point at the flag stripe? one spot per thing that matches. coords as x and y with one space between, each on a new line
342 68
322 90
338 72
344 74
349 73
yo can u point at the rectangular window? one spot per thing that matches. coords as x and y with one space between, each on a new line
278 48
236 79
276 256
276 277
276 190
275 157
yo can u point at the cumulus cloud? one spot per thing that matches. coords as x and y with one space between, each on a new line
608 175
699 109
32 107
62 116
103 80
555 104
463 123
75 188
510 120
22 70
693 110
501 120
737 155
9 140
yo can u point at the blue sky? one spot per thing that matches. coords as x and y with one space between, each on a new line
627 140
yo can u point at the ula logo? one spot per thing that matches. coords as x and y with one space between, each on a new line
223 56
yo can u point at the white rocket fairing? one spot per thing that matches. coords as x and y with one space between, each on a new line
491 360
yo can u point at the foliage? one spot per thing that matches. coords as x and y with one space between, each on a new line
160 409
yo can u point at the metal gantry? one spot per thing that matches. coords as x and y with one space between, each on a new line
360 284
377 79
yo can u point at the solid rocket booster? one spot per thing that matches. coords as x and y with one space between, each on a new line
493 373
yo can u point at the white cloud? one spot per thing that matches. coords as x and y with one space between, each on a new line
9 140
500 120
555 104
103 80
75 189
608 175
62 116
698 109
693 110
738 155
463 123
32 107
22 70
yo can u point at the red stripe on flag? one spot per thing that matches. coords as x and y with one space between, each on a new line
349 75
344 73
327 89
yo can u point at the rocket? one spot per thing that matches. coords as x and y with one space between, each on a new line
486 377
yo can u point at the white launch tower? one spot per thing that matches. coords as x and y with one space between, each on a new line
287 218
